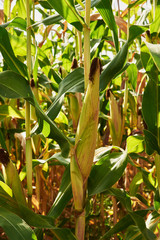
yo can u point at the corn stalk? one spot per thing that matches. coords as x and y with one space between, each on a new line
86 31
27 120
85 142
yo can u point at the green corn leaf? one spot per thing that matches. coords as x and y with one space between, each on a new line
49 20
45 4
113 67
15 227
134 218
136 3
5 47
107 171
67 10
123 224
16 22
64 195
20 8
122 196
62 234
135 144
9 111
74 82
151 98
151 142
154 50
116 65
133 233
19 45
150 102
153 220
132 75
2 140
15 86
155 25
137 180
6 9
105 9
135 31
27 216
6 201
139 221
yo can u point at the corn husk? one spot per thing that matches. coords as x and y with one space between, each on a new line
85 141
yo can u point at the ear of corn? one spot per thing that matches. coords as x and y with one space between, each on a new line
115 122
74 105
11 177
74 110
85 142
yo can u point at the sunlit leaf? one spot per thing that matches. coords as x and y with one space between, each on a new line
137 180
135 144
6 111
5 47
67 10
16 22
107 171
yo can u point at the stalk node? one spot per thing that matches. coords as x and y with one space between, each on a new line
28 138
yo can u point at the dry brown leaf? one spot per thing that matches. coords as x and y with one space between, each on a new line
95 16
1 16
46 33
121 24
65 28
135 199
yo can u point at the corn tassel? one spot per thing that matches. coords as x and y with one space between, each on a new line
11 177
85 143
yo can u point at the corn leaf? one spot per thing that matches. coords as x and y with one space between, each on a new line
16 22
15 227
9 111
136 3
74 82
27 216
6 9
105 9
64 195
135 144
155 25
151 98
107 170
49 20
15 86
135 219
123 224
5 47
20 7
67 10
114 67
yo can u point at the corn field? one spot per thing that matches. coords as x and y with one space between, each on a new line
79 119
